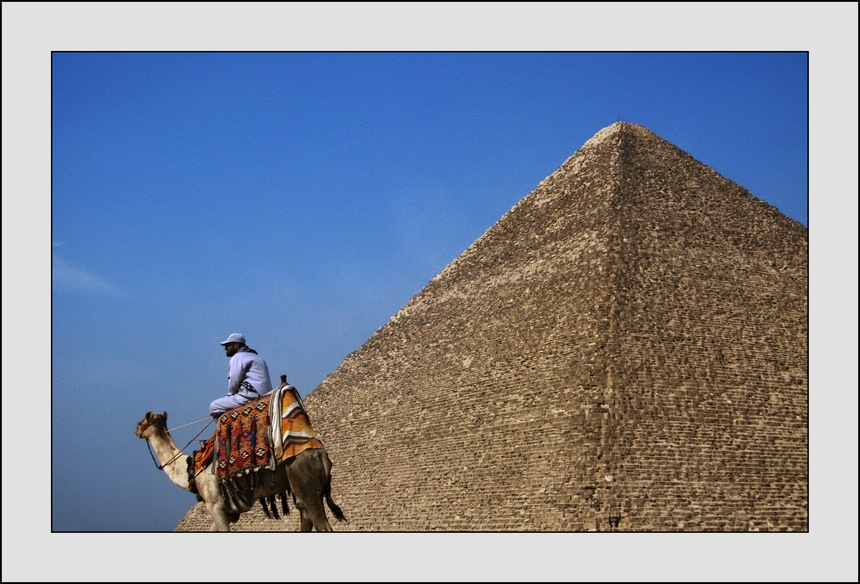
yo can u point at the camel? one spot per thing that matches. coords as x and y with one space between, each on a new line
306 476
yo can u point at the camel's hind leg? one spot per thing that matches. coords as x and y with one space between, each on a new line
306 524
308 476
313 516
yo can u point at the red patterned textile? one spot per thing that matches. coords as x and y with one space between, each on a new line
242 439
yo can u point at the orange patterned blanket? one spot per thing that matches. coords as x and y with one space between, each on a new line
295 433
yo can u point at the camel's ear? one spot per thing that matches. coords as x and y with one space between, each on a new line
165 415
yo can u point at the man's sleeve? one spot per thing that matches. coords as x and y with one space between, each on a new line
234 376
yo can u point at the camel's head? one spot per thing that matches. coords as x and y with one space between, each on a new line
151 421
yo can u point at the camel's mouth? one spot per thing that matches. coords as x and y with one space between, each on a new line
140 429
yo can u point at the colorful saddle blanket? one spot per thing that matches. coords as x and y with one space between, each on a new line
246 440
241 439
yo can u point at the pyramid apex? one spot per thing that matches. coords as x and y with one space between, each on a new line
615 129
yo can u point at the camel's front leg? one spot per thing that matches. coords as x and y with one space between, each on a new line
210 492
220 522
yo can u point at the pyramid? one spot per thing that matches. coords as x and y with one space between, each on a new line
624 350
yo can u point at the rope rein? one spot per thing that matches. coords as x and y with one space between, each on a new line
180 453
192 423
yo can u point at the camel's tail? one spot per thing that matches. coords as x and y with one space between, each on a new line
336 511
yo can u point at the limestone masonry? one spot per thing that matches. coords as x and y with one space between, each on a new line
625 350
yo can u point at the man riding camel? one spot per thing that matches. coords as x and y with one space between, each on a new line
247 379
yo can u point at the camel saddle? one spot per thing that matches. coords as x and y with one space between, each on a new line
246 441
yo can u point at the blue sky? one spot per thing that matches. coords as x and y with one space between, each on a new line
303 197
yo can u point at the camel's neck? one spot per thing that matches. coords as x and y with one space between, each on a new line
174 461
